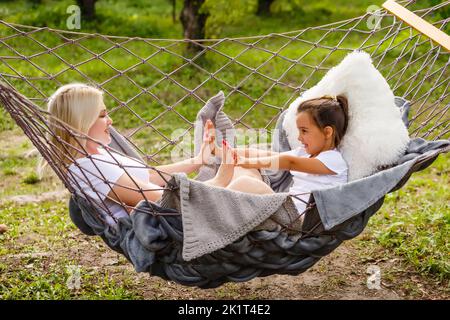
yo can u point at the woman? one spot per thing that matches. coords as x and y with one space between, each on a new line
99 173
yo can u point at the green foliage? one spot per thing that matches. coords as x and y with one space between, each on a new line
291 6
224 12
31 178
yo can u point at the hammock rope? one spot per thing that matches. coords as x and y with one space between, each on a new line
432 70
408 47
164 82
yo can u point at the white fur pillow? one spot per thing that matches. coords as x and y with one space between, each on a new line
375 134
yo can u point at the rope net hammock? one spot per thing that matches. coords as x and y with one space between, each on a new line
157 85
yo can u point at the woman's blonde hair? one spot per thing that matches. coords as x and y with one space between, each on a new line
73 106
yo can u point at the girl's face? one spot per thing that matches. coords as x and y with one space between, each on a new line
311 136
100 129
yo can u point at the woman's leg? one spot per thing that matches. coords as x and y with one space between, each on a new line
250 185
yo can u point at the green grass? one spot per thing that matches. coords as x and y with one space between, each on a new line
18 173
36 282
46 228
414 221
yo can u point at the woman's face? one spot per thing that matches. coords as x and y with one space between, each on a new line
100 129
311 136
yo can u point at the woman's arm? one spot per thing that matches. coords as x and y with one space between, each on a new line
126 190
186 166
285 162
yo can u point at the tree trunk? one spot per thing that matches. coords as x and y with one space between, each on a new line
87 8
174 10
193 22
264 7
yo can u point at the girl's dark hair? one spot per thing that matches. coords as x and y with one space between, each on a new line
328 111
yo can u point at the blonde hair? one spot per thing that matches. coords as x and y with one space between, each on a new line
77 107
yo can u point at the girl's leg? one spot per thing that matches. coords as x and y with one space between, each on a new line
243 172
223 176
249 185
226 170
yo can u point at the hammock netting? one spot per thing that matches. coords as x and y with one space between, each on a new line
153 86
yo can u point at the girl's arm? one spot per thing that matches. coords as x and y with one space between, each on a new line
254 152
285 162
248 152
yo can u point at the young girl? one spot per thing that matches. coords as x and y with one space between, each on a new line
318 164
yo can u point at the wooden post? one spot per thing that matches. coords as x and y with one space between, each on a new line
418 23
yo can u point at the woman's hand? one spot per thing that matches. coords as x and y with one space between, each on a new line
204 154
209 134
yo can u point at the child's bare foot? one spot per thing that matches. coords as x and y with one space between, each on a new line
226 169
3 228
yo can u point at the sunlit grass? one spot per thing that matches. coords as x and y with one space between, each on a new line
415 221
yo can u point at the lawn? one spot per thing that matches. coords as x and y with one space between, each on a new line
413 224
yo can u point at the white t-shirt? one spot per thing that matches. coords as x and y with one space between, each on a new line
307 182
102 171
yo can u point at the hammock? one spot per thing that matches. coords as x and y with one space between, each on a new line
156 85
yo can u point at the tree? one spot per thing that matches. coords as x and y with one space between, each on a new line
264 7
174 10
193 21
87 8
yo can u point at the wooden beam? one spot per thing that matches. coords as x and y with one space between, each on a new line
418 23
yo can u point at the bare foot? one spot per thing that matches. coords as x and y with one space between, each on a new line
226 169
3 228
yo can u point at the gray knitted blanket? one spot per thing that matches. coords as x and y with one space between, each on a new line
214 217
